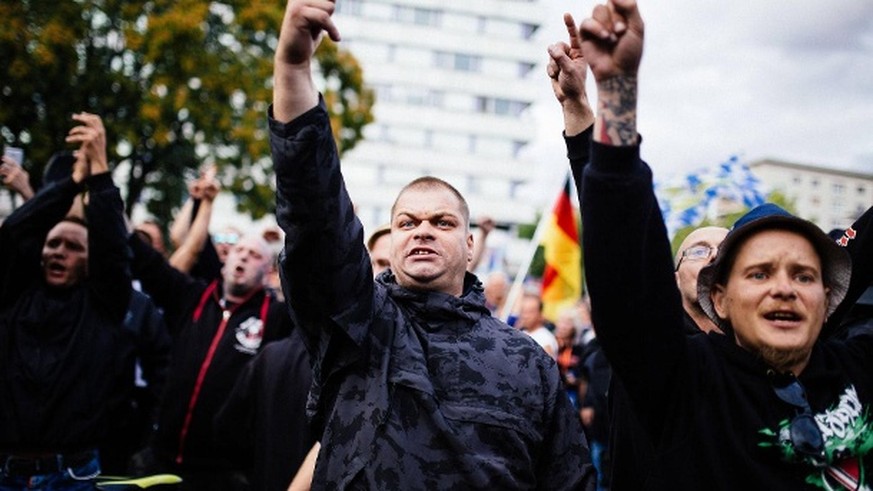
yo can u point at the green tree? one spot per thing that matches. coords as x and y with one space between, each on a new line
179 83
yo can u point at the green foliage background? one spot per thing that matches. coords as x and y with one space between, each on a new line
178 83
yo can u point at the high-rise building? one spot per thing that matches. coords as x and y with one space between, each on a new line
827 197
454 81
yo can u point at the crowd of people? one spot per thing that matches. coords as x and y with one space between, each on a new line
742 360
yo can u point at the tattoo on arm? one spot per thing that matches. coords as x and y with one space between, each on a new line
617 111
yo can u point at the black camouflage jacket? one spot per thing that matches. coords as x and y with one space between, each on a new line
414 390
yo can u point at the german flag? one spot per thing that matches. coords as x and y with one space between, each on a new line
562 278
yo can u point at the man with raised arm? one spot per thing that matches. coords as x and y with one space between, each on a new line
64 290
769 405
415 384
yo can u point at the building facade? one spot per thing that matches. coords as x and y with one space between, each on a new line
829 198
454 81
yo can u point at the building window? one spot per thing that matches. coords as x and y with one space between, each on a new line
528 30
418 16
467 63
838 188
458 61
514 187
517 147
814 182
350 7
482 24
499 106
861 189
524 68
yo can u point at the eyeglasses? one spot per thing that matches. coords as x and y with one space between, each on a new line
697 253
805 435
229 239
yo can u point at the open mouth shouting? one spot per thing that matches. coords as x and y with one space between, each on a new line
421 253
784 319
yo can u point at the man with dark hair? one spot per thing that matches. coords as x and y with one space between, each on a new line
772 404
64 290
415 384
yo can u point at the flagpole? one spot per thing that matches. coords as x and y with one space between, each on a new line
515 289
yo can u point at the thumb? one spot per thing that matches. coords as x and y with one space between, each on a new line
558 52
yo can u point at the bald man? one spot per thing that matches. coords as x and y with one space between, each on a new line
695 252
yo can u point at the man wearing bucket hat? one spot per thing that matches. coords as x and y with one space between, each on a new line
770 405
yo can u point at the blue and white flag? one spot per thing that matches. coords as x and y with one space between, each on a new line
686 200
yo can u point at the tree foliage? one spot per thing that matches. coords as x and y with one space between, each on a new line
179 83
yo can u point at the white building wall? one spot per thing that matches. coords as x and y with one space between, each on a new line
454 81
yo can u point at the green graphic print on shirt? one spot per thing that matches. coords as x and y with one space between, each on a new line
848 437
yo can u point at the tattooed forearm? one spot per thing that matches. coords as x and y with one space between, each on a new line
616 122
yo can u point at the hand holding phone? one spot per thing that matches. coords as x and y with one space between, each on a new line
16 154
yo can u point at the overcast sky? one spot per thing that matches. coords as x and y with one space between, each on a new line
789 80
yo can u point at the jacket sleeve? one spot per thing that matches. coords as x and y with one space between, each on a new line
564 463
173 291
579 154
324 266
635 303
24 231
109 275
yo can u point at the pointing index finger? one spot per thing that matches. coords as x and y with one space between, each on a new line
572 31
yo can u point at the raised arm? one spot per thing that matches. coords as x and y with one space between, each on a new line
108 256
188 251
567 70
636 305
612 43
325 269
294 92
486 226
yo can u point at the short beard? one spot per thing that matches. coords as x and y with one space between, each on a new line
238 289
783 359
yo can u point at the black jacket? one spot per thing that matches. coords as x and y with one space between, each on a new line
58 367
265 414
707 406
194 313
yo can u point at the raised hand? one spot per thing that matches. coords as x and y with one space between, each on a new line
303 23
91 137
294 92
612 43
209 185
612 39
568 69
15 178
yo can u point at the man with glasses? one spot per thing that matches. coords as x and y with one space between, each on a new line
696 251
769 405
